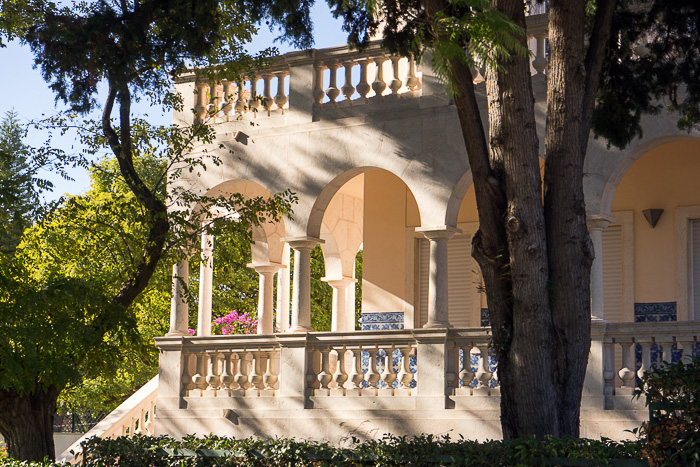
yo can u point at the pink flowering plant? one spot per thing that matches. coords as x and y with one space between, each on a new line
235 323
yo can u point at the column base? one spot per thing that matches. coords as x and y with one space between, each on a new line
437 325
300 329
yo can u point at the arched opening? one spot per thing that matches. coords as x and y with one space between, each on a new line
652 271
236 268
368 221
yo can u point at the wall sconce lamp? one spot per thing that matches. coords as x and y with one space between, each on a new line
652 216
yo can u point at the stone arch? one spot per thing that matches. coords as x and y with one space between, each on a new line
313 226
456 198
616 176
267 246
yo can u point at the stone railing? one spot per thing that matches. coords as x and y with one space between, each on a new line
634 348
134 416
239 366
319 81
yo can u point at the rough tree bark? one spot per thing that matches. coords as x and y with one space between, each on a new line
535 255
26 422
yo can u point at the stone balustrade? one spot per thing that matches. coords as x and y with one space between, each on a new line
634 348
224 366
323 80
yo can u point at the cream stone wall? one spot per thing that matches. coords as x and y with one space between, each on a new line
384 255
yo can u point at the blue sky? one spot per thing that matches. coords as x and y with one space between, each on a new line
23 89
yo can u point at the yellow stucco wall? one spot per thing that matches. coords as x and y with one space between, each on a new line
665 177
388 207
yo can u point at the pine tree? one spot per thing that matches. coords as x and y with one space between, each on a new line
18 194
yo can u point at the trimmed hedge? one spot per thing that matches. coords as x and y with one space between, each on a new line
390 451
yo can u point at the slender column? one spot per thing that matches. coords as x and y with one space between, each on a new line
301 291
179 313
339 321
437 287
206 279
283 292
265 305
596 224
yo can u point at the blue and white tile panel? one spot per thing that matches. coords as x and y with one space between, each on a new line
382 321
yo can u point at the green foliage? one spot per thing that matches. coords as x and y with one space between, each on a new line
19 197
388 451
321 293
672 436
653 64
469 31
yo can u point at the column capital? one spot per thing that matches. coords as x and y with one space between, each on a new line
303 243
438 232
340 283
266 268
598 221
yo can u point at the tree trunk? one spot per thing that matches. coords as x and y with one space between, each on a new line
26 423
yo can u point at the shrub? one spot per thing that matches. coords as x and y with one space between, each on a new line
389 451
672 436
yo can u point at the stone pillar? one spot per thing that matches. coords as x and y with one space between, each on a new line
350 306
206 281
437 286
339 318
179 312
265 307
301 291
596 224
283 292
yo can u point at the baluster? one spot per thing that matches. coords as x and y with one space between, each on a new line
240 99
340 376
363 87
608 369
188 370
379 85
267 93
405 376
226 378
139 425
388 375
646 358
253 102
149 423
412 81
540 61
213 370
452 367
241 376
333 92
199 380
483 374
356 376
324 376
255 376
318 93
626 373
281 97
348 89
667 353
226 105
396 82
372 376
687 350
269 378
212 108
466 375
200 109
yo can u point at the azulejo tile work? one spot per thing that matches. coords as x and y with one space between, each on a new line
383 321
654 312
485 320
